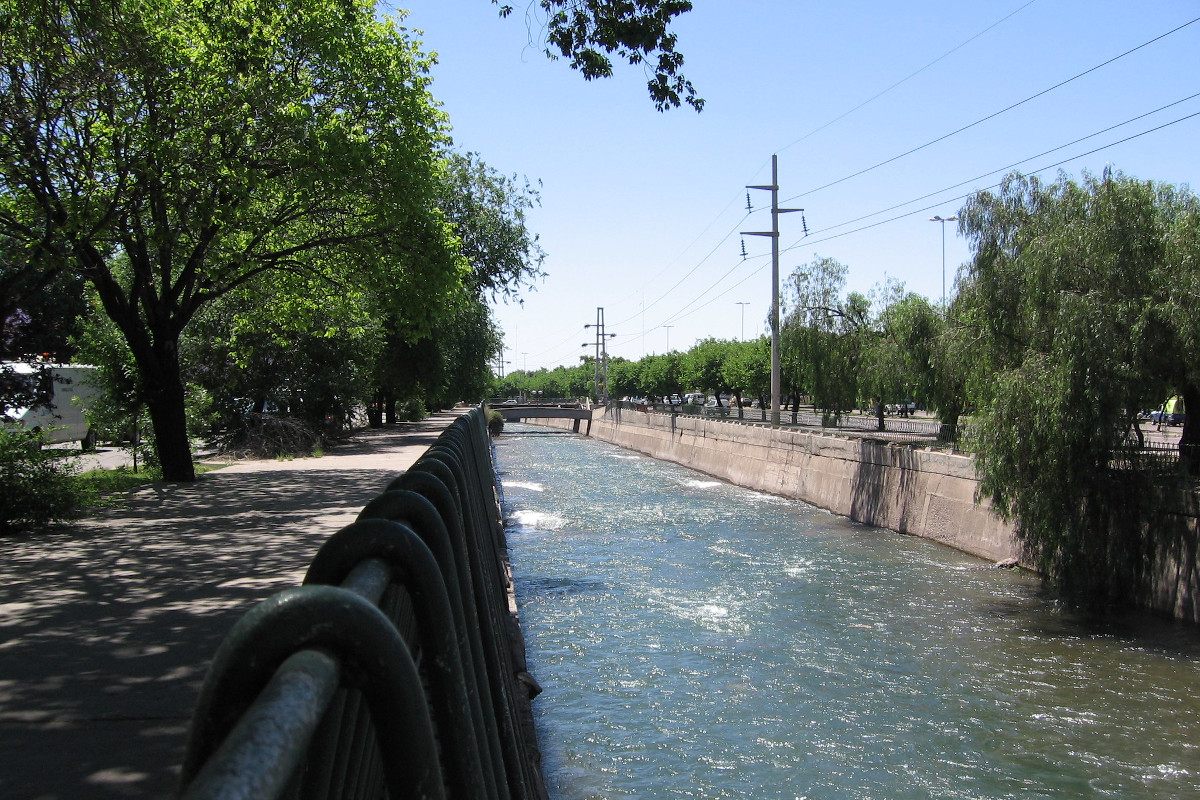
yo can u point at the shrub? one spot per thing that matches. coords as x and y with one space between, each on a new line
35 486
265 436
411 410
495 422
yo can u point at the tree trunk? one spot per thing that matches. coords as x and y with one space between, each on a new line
168 415
879 416
948 430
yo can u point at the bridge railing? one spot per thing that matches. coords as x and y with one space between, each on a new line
535 400
397 669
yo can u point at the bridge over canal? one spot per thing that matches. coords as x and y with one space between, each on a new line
520 412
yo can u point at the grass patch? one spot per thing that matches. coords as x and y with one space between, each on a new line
106 485
106 482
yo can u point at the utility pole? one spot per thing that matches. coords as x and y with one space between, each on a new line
668 328
774 234
743 336
601 356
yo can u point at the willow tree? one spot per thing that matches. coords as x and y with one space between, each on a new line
823 334
1071 310
175 151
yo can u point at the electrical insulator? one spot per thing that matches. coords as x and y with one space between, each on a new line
744 254
749 207
804 223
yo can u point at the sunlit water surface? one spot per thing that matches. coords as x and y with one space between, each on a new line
699 640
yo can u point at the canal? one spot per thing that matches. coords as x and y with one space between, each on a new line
699 640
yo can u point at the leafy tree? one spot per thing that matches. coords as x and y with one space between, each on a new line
449 365
1072 308
933 363
662 375
468 338
39 309
487 213
821 335
120 414
885 374
587 32
704 367
301 347
449 362
747 370
171 154
624 377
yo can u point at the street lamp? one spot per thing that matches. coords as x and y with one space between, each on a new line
743 305
943 220
668 327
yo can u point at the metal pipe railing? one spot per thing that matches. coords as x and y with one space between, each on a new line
395 671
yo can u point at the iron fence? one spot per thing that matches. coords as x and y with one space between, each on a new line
396 670
900 429
1154 456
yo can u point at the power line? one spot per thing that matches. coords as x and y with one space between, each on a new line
995 114
691 244
691 307
921 147
689 273
992 186
684 312
907 78
1016 164
869 100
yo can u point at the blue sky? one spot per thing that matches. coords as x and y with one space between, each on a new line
641 211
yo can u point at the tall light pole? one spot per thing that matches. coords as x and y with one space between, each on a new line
668 327
743 336
943 220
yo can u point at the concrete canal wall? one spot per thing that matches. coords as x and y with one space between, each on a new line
918 491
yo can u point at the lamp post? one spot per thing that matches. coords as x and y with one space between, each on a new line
743 305
943 220
668 327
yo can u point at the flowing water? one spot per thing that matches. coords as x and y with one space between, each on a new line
699 640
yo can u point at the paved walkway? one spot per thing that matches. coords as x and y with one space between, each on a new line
107 625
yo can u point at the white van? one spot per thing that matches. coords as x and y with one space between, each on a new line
71 394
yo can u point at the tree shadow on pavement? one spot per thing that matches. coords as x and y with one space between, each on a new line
107 626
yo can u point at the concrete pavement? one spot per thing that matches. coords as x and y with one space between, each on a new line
107 625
